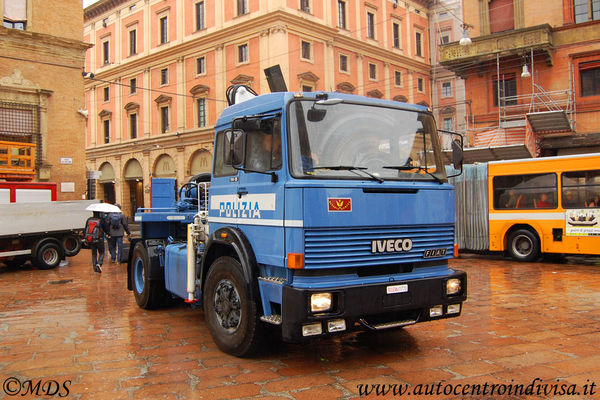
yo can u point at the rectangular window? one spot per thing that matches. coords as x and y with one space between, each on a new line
420 85
343 63
243 53
200 65
445 39
106 129
105 52
305 5
525 191
589 74
586 10
164 30
106 94
305 50
133 126
446 89
164 119
448 124
370 25
581 189
132 42
164 76
508 90
133 86
15 14
397 78
306 88
201 112
396 34
418 44
242 7
199 8
342 14
372 71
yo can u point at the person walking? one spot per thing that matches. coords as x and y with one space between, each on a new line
117 226
95 228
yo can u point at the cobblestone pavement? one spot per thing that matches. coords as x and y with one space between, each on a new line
83 332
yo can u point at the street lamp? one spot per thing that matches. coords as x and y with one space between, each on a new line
465 40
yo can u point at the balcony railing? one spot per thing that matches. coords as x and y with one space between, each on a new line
488 47
17 160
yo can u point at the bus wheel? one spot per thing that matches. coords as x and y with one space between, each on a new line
523 245
149 294
229 311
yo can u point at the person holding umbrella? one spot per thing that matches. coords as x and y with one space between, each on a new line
116 228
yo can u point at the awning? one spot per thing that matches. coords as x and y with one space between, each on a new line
133 170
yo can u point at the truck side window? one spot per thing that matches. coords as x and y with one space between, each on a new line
263 147
220 168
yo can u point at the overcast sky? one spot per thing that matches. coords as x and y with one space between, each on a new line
88 2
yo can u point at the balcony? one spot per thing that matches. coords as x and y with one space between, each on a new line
17 161
486 48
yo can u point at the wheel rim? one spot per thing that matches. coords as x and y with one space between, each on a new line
522 245
138 275
227 305
50 256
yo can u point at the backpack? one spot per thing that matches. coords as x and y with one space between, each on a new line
115 221
93 230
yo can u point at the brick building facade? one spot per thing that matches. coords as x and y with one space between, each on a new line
162 68
41 90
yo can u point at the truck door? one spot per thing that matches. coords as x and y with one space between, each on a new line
261 192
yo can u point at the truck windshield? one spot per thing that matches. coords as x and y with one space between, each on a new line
344 140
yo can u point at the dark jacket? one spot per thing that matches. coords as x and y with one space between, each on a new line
120 228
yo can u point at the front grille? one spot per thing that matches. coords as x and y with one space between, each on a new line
342 248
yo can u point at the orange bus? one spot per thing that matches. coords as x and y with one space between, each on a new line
545 205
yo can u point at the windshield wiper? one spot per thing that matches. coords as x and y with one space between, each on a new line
407 167
348 168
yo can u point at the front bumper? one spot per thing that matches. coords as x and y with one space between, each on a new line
371 306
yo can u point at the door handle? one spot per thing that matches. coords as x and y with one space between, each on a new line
241 192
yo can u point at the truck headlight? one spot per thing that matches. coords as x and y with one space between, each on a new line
320 302
453 286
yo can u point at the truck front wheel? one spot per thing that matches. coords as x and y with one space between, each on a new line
149 294
48 256
229 310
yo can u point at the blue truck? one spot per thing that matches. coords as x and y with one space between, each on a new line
325 213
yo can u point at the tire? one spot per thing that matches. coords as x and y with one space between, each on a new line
149 294
48 256
231 314
523 245
16 262
71 245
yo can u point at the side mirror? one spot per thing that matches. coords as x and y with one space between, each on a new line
233 149
457 154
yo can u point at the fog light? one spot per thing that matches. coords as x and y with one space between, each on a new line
452 286
336 325
453 308
312 329
320 302
436 311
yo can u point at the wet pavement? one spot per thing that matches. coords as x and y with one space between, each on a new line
525 329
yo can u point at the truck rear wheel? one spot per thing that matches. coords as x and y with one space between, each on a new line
229 310
71 245
149 294
523 245
48 256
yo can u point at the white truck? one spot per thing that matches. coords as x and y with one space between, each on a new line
44 232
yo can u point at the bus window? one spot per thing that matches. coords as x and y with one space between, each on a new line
580 189
525 191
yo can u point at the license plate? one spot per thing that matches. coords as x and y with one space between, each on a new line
397 289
